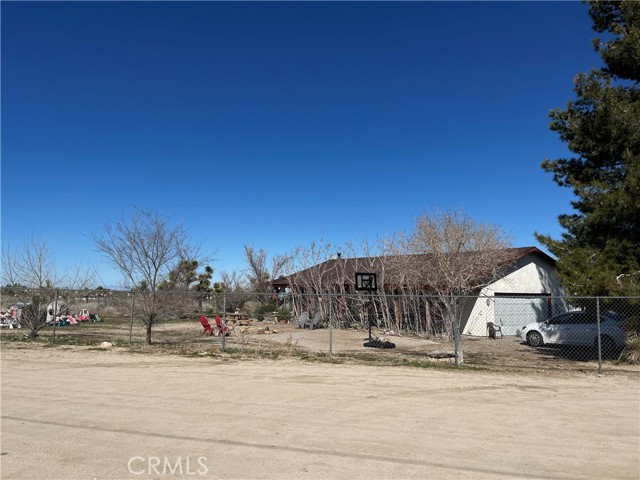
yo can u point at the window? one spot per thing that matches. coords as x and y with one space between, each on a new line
563 319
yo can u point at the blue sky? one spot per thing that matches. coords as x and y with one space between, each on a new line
276 124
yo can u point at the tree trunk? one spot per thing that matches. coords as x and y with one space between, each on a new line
398 315
455 329
149 333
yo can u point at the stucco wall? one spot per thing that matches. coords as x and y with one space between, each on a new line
532 274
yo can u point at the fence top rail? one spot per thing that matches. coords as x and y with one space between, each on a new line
102 293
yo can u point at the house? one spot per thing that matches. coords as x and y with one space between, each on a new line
529 291
526 291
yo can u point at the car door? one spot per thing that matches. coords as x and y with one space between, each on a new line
588 329
555 330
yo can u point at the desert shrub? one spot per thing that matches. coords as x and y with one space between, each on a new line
267 308
283 313
631 352
632 326
251 307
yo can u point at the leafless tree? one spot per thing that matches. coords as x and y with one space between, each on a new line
145 248
33 267
259 274
33 316
10 275
461 256
308 289
80 278
234 289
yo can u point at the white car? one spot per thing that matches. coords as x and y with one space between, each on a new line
577 328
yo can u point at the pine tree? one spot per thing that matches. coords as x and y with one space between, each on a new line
599 252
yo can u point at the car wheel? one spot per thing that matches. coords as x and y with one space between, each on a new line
607 345
535 339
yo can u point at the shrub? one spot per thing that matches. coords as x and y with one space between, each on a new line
632 326
267 308
283 313
251 307
631 352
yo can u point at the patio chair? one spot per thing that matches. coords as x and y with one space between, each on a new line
302 319
207 327
493 329
220 327
314 322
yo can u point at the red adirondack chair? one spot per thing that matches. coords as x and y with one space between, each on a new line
207 327
222 328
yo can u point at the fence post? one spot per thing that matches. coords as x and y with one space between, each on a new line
133 306
224 317
456 332
330 325
55 318
599 339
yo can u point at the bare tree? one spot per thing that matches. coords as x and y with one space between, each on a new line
145 248
257 272
34 314
234 289
80 278
10 274
32 267
461 257
308 288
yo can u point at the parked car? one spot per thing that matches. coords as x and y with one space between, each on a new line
578 328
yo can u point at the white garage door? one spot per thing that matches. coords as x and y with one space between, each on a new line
512 313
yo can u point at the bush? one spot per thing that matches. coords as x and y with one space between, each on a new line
251 307
267 308
631 352
632 326
283 313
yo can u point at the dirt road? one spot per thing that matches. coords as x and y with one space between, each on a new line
78 413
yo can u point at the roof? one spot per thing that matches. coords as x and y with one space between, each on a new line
345 268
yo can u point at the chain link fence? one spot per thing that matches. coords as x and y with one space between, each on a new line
533 332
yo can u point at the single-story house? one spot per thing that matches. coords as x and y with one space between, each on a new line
528 289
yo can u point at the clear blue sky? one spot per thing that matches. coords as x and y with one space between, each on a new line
278 124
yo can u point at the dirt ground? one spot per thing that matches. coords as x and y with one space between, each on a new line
81 413
506 354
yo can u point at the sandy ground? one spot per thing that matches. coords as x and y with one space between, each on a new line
505 353
79 413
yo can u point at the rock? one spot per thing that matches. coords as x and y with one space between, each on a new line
106 345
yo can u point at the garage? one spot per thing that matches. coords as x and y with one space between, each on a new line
512 311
